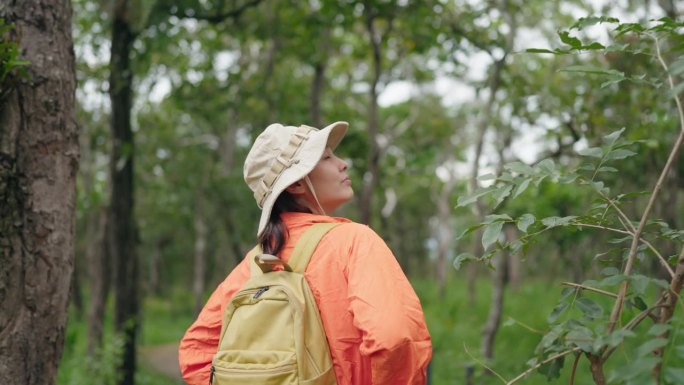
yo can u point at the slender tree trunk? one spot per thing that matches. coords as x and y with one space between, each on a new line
122 225
38 165
444 231
672 298
318 83
200 255
76 291
96 257
371 177
99 268
155 264
500 279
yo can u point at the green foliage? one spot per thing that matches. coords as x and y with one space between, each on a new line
583 321
12 68
79 368
164 322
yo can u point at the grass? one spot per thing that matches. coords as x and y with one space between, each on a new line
455 326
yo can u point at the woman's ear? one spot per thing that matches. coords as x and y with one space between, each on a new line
296 188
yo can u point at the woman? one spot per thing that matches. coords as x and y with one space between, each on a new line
372 317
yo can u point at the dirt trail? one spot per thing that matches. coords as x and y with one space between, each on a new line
162 358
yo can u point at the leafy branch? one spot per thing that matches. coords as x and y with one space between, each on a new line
576 335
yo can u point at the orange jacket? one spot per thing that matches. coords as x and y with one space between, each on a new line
372 317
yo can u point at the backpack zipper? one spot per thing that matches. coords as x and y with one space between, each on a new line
211 375
244 371
260 292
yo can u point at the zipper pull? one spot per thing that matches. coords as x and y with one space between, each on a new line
211 375
260 292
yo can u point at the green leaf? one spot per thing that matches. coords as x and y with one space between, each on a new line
637 367
610 139
552 369
659 329
613 79
488 176
615 338
547 165
501 193
639 283
593 46
639 303
491 234
593 70
463 201
557 221
568 178
497 218
610 271
595 152
463 258
607 169
470 230
567 292
569 40
582 338
557 311
620 154
589 307
677 67
680 350
522 187
613 280
539 50
593 20
674 375
628 28
519 167
649 346
525 221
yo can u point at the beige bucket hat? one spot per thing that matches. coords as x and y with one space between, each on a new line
281 156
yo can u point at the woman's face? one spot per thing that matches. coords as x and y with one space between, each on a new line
331 182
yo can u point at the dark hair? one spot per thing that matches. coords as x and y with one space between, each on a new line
275 233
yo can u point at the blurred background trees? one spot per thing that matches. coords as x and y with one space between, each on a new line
440 97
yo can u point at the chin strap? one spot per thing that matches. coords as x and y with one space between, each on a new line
313 192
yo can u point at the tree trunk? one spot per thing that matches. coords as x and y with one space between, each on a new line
38 165
200 255
98 257
500 279
155 286
444 231
122 225
371 177
318 82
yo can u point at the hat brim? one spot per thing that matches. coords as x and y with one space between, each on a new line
307 158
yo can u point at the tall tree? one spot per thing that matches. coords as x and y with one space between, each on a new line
38 164
121 237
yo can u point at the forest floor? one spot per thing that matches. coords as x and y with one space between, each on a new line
163 359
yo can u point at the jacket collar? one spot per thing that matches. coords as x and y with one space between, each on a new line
294 220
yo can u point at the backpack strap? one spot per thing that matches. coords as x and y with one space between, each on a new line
300 255
307 244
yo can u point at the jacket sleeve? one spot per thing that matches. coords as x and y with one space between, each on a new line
388 312
200 342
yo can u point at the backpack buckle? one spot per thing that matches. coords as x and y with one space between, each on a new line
267 262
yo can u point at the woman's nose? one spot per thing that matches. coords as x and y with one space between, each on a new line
343 164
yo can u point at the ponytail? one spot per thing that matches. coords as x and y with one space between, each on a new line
275 233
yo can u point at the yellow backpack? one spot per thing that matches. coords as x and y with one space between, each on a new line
272 331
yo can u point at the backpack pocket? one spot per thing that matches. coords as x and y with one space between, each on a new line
241 367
